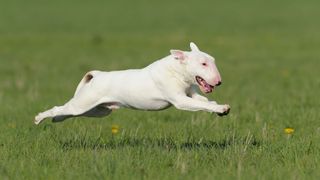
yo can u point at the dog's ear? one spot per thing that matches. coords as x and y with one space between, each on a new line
194 47
178 54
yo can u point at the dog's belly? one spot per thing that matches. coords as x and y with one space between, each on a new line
132 89
152 105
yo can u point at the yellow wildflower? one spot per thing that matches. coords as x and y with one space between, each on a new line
288 130
114 129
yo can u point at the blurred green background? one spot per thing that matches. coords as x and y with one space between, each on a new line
267 53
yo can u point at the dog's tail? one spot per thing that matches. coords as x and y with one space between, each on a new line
85 80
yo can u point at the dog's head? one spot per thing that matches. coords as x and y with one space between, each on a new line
200 68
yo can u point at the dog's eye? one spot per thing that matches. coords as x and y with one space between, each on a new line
204 64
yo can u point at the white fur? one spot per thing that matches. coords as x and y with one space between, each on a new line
168 81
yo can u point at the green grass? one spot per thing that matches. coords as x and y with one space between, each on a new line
268 55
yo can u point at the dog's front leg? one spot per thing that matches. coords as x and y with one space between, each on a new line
190 104
197 96
193 93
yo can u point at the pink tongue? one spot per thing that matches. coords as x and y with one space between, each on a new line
207 87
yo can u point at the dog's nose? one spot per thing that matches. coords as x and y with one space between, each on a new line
219 83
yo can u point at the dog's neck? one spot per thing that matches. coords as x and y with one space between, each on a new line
173 68
179 70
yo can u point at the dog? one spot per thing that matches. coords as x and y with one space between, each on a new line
172 80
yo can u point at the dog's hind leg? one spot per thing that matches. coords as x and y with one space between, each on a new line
86 102
58 111
78 106
74 107
61 118
98 111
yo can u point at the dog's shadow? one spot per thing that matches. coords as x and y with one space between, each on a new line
162 143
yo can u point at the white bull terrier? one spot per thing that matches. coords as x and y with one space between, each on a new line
168 81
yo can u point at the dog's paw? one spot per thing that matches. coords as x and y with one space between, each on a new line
38 119
225 109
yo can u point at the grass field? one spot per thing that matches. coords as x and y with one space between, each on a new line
267 53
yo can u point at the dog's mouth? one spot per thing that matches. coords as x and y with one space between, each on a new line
204 86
